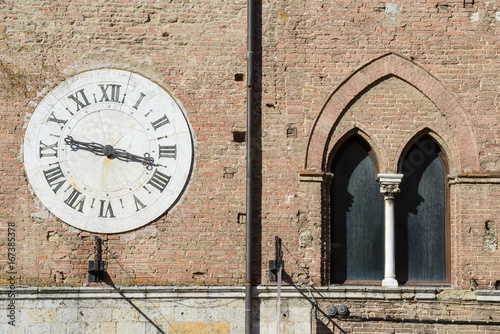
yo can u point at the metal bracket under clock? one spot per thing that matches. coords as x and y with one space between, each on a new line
277 263
96 266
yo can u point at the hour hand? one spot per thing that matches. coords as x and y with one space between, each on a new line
75 145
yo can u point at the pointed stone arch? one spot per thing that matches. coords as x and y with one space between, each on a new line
376 153
418 134
464 148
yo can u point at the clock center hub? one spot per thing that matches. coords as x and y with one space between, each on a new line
108 151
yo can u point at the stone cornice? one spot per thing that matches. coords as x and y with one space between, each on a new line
220 292
475 178
344 292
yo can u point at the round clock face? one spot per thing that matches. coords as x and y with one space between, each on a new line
108 151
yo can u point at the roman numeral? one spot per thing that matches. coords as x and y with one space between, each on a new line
109 210
48 150
55 177
77 99
168 151
160 122
53 118
159 180
138 204
139 100
71 201
115 93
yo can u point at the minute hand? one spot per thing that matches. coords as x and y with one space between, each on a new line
147 160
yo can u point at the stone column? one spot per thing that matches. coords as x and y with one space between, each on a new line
389 187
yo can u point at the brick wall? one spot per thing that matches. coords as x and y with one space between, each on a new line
192 50
389 69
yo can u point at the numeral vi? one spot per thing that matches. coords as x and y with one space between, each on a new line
106 211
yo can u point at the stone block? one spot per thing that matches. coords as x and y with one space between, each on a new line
124 312
126 327
94 315
199 327
66 315
40 315
58 328
83 327
38 328
108 327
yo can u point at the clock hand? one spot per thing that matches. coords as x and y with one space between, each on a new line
147 160
75 145
108 151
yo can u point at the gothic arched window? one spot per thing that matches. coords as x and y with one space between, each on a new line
421 229
357 215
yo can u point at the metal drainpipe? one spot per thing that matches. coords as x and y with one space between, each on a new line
249 184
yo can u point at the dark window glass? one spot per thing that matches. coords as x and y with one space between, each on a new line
357 230
421 215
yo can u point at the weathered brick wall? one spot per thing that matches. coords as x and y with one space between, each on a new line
478 253
311 53
309 49
194 50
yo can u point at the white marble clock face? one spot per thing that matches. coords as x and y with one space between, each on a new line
108 151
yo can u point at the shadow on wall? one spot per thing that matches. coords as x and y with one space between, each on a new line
109 282
321 322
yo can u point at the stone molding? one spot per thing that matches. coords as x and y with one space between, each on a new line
358 292
475 178
222 292
314 176
488 295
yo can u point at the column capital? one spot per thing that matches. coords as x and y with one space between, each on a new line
389 184
389 190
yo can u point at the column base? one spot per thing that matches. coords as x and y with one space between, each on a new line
390 283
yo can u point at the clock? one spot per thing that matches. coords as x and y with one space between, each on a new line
108 151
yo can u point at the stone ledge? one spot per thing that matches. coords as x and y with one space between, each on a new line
144 292
229 292
351 292
315 176
488 296
238 292
474 178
